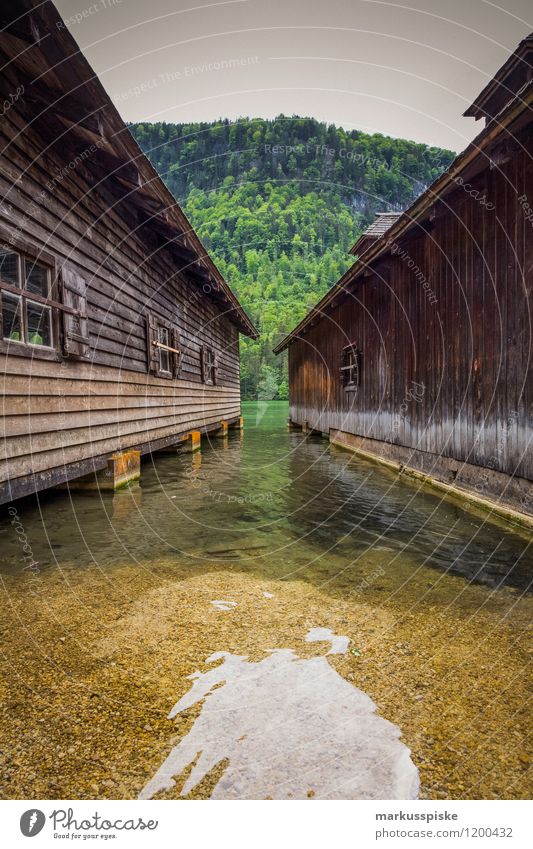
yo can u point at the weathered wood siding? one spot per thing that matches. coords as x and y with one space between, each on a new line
446 365
60 416
57 413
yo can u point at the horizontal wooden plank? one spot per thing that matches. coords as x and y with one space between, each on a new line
83 372
48 425
38 480
22 406
26 455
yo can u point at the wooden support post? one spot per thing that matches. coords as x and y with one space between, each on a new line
122 468
237 425
194 442
293 425
174 447
221 431
187 444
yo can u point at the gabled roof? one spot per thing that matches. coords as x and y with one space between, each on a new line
498 137
376 230
64 101
507 81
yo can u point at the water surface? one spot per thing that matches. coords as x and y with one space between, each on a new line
120 601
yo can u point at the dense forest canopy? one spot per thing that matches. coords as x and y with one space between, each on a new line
279 203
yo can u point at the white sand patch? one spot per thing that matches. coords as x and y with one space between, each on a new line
222 604
339 645
290 728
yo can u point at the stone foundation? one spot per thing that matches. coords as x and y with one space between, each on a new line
474 486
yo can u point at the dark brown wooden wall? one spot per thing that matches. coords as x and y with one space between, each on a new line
65 412
470 348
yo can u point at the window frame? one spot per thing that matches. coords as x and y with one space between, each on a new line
172 347
209 364
350 368
163 328
26 253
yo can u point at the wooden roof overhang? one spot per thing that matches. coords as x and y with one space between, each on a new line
66 104
502 88
494 145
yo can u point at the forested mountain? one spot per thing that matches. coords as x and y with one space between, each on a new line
279 203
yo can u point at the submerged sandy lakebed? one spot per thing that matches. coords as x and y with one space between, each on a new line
121 678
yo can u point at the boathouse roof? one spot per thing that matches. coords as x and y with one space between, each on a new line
506 83
494 144
65 102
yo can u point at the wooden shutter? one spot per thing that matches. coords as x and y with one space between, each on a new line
76 342
342 365
357 369
215 368
176 358
203 362
152 352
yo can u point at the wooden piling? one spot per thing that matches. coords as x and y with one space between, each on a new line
221 431
122 468
188 443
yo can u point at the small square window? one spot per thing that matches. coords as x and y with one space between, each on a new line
9 268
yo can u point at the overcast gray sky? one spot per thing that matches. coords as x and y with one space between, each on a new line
402 69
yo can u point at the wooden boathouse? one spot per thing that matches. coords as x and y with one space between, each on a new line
119 334
420 356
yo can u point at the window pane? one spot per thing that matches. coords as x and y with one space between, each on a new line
209 358
164 356
39 321
9 268
164 360
36 278
11 324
